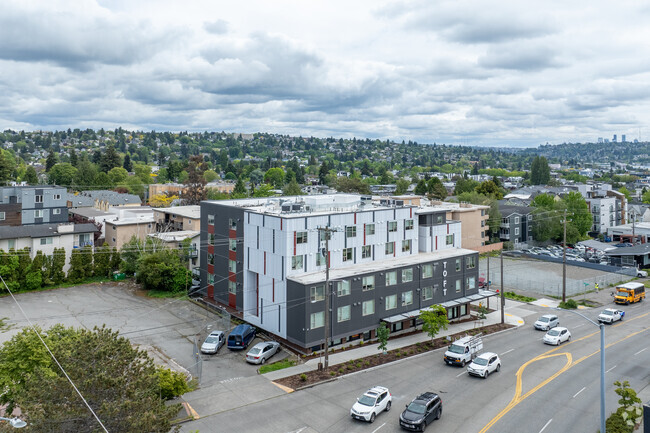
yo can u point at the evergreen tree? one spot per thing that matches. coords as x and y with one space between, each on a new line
55 272
240 189
110 159
30 176
127 163
102 261
34 275
73 158
9 263
116 260
51 160
24 265
323 172
540 172
77 270
421 188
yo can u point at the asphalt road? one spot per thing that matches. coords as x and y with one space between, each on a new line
547 401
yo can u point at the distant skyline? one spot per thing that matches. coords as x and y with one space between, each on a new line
476 73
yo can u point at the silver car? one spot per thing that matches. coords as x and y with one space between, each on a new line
262 351
213 342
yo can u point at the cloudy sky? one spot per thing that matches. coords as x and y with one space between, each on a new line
475 72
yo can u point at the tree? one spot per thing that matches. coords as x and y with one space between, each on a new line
62 174
73 158
101 262
172 383
240 189
256 176
163 271
434 319
626 192
30 176
50 161
7 166
118 381
578 213
465 185
77 270
127 163
275 176
117 175
210 175
323 172
162 200
34 275
401 186
490 189
630 405
540 173
195 191
116 260
352 184
264 190
57 263
292 188
421 188
436 189
382 336
110 159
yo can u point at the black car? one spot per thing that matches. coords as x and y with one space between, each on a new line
421 411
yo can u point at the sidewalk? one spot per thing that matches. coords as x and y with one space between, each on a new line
396 343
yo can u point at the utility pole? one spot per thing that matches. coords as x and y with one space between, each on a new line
564 261
503 296
327 232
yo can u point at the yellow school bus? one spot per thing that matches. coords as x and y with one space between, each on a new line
629 293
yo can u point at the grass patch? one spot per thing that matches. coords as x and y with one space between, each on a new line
285 363
164 294
570 304
516 297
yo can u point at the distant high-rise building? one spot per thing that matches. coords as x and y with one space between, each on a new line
607 140
614 139
623 140
600 139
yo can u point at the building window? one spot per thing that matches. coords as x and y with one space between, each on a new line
343 313
210 237
366 252
457 265
391 302
347 254
210 278
317 320
370 229
211 219
38 199
232 266
408 225
471 283
38 213
390 248
210 259
2 216
351 232
57 196
516 231
232 244
392 226
11 243
450 239
296 262
516 220
482 212
368 283
46 241
407 298
427 293
56 211
320 259
471 262
301 237
458 286
343 288
482 223
406 245
439 219
391 278
232 223
232 287
407 275
427 271
368 307
317 293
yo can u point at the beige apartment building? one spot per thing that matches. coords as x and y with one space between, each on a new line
120 231
474 222
177 218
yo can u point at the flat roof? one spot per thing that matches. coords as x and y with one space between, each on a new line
89 212
175 236
130 221
193 211
378 265
43 230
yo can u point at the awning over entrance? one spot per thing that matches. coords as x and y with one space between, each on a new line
482 294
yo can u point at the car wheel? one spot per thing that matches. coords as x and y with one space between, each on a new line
485 375
372 417
424 425
462 363
439 413
568 339
388 407
498 367
263 360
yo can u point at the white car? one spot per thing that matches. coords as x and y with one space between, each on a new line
557 335
484 364
262 351
213 342
611 315
546 322
377 399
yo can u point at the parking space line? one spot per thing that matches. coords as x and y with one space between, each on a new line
641 351
546 425
507 351
610 369
576 394
459 375
378 427
577 326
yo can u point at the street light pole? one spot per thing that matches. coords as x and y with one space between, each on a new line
564 261
602 365
327 232
15 422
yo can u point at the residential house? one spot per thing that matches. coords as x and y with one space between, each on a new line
177 218
516 224
26 205
127 223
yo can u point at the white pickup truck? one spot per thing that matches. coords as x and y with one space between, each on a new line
611 315
463 350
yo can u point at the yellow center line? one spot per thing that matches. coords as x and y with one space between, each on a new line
518 398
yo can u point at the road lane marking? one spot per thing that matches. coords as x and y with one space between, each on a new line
641 351
546 425
610 369
464 372
507 351
299 430
577 326
576 394
375 430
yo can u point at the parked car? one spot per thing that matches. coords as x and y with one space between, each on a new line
557 335
421 411
377 399
240 337
546 322
213 342
262 351
484 364
611 315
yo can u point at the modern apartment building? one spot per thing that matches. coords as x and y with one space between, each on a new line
516 224
608 207
25 205
177 218
473 219
266 259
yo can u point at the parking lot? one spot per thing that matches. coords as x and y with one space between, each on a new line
166 328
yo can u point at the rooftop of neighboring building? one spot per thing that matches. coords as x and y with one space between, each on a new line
90 212
176 236
507 210
44 230
458 207
112 197
193 211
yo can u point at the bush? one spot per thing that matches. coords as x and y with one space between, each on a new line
303 377
616 424
172 383
571 304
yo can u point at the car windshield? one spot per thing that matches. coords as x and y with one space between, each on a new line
623 294
416 408
212 340
553 333
255 351
543 319
366 400
481 361
456 349
607 313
